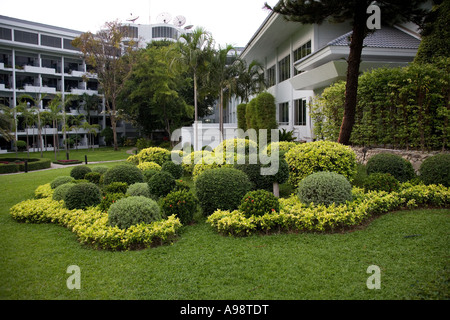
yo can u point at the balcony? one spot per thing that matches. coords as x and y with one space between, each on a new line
82 91
33 69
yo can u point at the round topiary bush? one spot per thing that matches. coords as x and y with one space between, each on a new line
258 203
144 166
109 199
82 195
436 170
161 183
116 187
325 188
93 177
381 182
138 189
311 157
182 203
79 172
401 169
154 154
176 170
221 188
130 211
60 181
100 169
123 173
60 192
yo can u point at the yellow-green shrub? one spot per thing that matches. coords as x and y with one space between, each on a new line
154 154
144 166
43 191
190 160
308 158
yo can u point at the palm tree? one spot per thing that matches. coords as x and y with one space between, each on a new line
250 79
55 107
6 122
76 122
223 78
193 49
91 129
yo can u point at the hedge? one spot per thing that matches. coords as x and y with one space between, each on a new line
33 164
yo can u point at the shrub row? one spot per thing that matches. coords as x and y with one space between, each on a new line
19 166
296 216
91 225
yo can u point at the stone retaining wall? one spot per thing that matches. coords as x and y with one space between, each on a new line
415 157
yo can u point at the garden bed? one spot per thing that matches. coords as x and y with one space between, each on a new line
67 162
13 165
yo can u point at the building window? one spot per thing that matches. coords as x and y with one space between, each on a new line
164 32
5 34
130 32
26 37
300 112
49 41
302 52
284 67
283 114
68 45
271 77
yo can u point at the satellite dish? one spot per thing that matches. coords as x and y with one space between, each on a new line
164 17
132 18
188 27
179 21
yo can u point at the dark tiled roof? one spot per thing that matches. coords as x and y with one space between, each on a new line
386 37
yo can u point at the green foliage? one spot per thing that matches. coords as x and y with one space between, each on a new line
398 107
176 170
241 120
258 203
436 170
398 167
311 157
130 211
60 180
221 188
139 189
325 188
295 216
381 182
93 177
108 135
100 169
190 160
183 204
144 166
261 113
150 173
79 172
43 191
108 199
123 173
281 147
154 154
82 195
286 135
116 187
161 183
60 191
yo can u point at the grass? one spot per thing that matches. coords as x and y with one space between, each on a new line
95 155
410 247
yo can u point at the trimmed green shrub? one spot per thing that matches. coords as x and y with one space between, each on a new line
144 166
258 203
60 181
236 145
154 154
60 192
100 169
138 189
190 160
161 184
150 173
79 172
93 177
181 185
181 203
436 170
82 195
116 187
221 188
253 172
109 199
123 173
325 188
381 182
400 168
311 157
132 211
176 170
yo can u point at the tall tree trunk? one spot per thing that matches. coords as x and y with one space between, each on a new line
196 114
354 62
221 115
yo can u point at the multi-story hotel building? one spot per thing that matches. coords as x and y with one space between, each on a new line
39 60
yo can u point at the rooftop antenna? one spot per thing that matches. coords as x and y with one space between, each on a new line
179 21
164 18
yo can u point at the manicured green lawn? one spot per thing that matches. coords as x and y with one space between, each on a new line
99 154
410 247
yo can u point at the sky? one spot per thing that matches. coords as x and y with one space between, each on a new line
229 21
